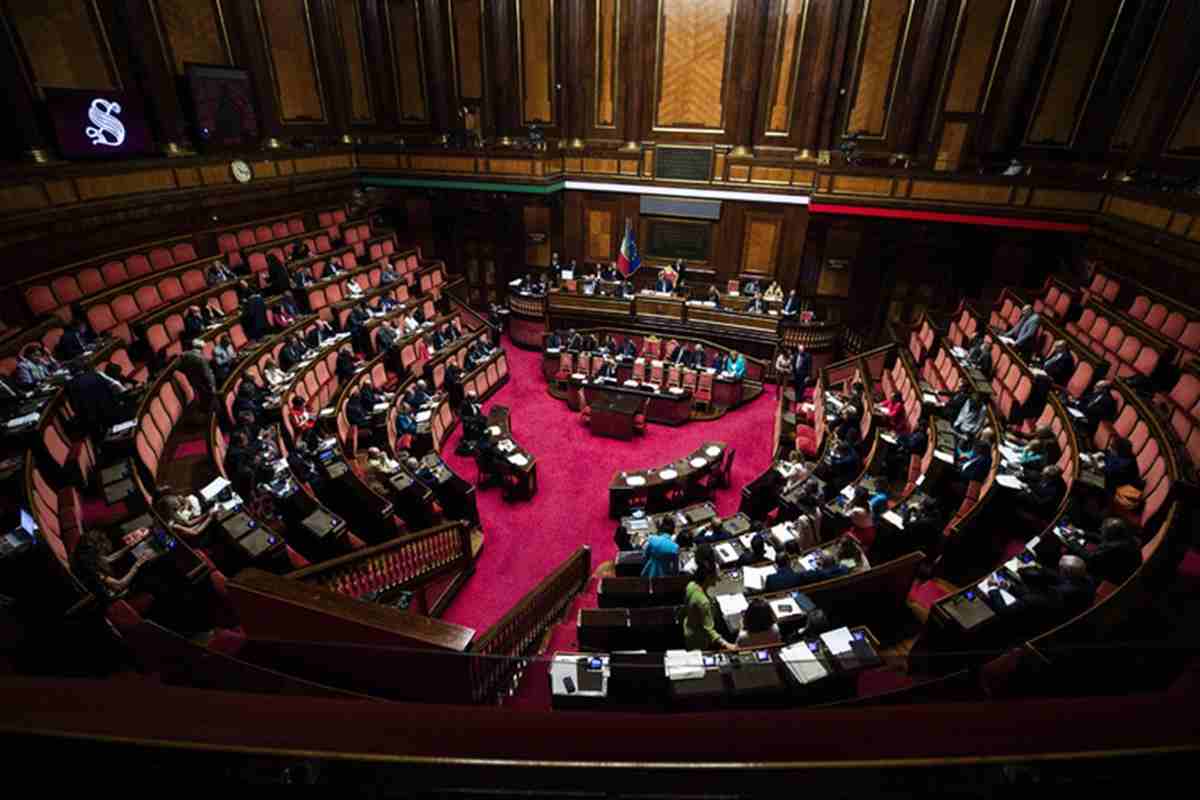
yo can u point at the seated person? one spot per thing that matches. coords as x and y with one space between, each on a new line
302 421
664 284
387 336
841 465
406 424
894 416
93 562
553 341
292 353
389 275
299 252
1034 458
971 417
379 461
304 469
113 371
610 273
184 514
1120 466
1023 335
352 289
679 354
302 278
574 340
1117 554
1060 363
628 348
792 306
714 295
473 420
758 626
346 365
735 367
34 368
193 322
248 401
371 396
608 369
698 360
224 357
757 305
321 333
757 553
359 414
848 428
976 463
1045 597
608 344
1042 496
862 527
421 473
218 272
979 354
417 396
661 552
750 287
411 325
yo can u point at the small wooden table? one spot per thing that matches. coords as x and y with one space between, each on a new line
612 415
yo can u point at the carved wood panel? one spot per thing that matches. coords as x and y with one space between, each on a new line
981 33
1081 44
286 27
760 245
535 44
408 59
1137 108
537 220
608 62
192 31
882 38
466 17
352 50
695 38
1185 136
600 227
788 55
64 43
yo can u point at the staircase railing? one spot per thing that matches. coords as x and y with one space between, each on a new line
500 653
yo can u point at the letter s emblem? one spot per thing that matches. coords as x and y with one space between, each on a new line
108 131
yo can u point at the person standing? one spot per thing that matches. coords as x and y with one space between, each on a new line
699 626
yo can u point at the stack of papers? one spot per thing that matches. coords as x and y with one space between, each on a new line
802 662
213 489
684 665
755 578
518 460
929 397
379 407
26 419
894 518
958 352
1010 482
942 455
890 438
782 533
838 641
732 605
423 416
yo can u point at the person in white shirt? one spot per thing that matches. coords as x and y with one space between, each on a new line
273 374
353 289
410 324
380 462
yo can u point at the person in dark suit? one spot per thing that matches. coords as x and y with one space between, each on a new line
589 343
301 464
678 354
356 323
751 288
254 317
360 414
975 465
699 359
473 420
421 473
1042 496
842 464
452 382
193 322
247 402
553 341
574 340
1047 598
278 278
100 402
436 340
291 354
370 395
1120 466
1118 554
801 370
321 333
74 341
608 369
346 364
628 348
979 354
792 306
720 361
848 428
417 396
1060 364
1023 334
757 552
757 305
388 335
299 252
302 278
218 273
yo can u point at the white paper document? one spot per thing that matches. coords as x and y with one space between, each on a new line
894 518
518 460
803 663
683 665
732 604
635 480
942 455
1009 482
213 489
21 421
929 397
755 578
838 641
121 427
423 416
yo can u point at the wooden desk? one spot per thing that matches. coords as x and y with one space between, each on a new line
612 414
499 429
655 306
670 486
667 408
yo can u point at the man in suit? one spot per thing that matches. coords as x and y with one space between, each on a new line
574 340
1023 335
254 317
1096 406
360 413
757 305
792 306
1046 597
218 273
751 288
979 355
388 335
678 354
473 420
628 348
608 369
1060 364
346 364
452 383
556 269
278 279
100 402
699 360
321 333
1117 555
1042 497
302 278
74 341
417 396
589 343
301 464
436 340
357 321
553 341
975 465
801 370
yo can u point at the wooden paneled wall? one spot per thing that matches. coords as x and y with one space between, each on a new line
947 82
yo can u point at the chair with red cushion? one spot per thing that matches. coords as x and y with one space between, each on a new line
704 390
585 410
639 419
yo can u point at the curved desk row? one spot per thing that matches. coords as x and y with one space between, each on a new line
670 486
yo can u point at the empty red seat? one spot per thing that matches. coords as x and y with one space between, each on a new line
183 252
114 272
174 326
161 258
40 300
147 299
66 289
227 243
193 281
90 281
295 225
245 238
138 265
279 229
262 233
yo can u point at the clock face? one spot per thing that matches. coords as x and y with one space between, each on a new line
241 171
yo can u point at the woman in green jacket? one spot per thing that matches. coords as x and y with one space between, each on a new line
699 632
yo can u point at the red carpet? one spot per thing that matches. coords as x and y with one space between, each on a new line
524 541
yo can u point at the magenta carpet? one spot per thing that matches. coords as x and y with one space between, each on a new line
524 541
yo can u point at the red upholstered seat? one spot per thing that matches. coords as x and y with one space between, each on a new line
295 225
114 273
161 258
262 234
138 265
279 229
227 243
90 281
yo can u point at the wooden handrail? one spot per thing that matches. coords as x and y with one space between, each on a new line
519 632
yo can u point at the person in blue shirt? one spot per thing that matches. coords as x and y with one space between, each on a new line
736 366
662 552
976 465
